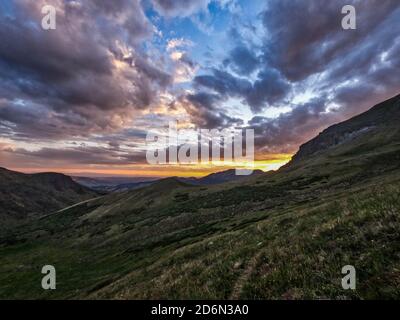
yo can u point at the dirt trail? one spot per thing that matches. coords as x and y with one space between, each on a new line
69 207
244 277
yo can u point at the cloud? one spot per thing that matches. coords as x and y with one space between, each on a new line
306 55
269 87
203 111
314 38
175 43
224 83
184 67
285 133
101 70
243 60
90 72
81 155
179 8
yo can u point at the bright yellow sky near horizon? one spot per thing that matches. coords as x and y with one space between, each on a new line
167 170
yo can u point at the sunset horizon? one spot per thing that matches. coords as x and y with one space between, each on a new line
162 171
94 87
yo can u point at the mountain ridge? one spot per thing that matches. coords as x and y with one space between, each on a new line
39 193
387 112
114 184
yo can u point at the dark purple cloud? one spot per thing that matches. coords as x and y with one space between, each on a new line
81 77
81 155
203 109
243 60
306 36
223 83
286 132
269 87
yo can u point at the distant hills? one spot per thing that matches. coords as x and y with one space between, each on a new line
116 184
219 177
277 235
28 194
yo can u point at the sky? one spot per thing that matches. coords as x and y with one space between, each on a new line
82 98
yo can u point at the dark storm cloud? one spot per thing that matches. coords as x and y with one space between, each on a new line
224 83
85 74
31 121
204 100
374 81
312 36
173 8
269 87
203 109
286 132
243 60
82 155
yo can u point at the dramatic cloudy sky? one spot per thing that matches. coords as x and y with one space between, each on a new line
81 98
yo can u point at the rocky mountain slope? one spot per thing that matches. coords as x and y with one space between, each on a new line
379 118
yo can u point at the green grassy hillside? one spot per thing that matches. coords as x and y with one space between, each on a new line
281 235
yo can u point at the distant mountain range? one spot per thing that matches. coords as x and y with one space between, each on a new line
219 177
278 235
113 184
116 184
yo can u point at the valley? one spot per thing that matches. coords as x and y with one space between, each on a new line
275 235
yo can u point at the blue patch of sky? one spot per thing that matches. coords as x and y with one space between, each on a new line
7 8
